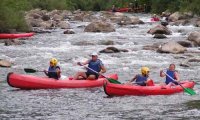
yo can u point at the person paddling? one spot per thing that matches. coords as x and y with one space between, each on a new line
114 8
143 78
95 64
54 70
171 73
155 18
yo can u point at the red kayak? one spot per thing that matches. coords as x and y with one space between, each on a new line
155 19
17 35
123 89
34 82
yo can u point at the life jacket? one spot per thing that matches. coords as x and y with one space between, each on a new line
52 72
155 19
140 80
95 65
172 75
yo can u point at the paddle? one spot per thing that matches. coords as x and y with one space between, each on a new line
109 79
30 70
187 90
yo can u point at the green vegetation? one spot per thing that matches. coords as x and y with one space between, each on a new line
12 11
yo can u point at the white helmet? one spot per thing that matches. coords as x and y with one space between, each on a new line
94 54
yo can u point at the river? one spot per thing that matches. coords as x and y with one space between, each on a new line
94 104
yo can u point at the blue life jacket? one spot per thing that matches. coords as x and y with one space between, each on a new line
172 75
52 72
95 65
140 80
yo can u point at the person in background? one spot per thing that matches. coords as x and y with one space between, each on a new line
93 63
143 78
54 70
113 8
155 18
172 73
165 16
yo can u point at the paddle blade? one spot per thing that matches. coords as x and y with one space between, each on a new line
189 91
29 70
113 81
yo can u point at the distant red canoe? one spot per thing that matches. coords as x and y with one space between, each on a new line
17 35
122 10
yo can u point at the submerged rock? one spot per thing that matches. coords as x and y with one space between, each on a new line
109 42
184 64
83 43
5 63
159 36
112 50
185 43
194 60
13 42
69 32
153 47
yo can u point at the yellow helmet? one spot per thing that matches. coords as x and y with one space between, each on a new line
54 61
144 70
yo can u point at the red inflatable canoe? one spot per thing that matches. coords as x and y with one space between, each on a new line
123 89
17 35
34 82
122 10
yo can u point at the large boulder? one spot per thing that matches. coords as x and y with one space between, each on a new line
33 22
197 23
136 20
79 17
160 29
123 20
5 63
57 17
66 14
171 47
178 16
64 25
54 12
194 37
89 18
46 25
45 17
99 26
36 13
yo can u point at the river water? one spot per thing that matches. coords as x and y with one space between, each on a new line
94 104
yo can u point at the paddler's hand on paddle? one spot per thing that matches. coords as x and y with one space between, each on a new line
45 71
162 73
79 63
128 83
